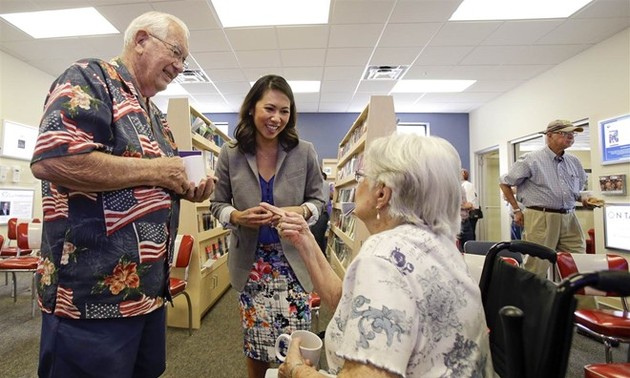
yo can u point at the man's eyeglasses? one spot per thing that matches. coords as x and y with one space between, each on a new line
566 133
359 175
177 52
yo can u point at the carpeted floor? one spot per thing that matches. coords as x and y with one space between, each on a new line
214 350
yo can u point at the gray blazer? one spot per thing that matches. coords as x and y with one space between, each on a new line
297 180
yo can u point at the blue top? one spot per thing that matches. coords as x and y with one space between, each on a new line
546 180
267 234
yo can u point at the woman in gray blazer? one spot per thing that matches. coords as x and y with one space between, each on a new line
267 163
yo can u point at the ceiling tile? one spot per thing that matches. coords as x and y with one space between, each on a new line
354 35
303 37
500 55
405 35
394 56
360 12
252 39
464 33
303 58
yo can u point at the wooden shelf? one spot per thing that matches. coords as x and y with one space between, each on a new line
206 283
336 265
376 120
356 148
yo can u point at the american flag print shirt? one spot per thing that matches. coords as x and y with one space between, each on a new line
104 254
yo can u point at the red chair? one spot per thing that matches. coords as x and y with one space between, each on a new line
621 370
14 251
609 326
28 236
475 263
181 260
590 242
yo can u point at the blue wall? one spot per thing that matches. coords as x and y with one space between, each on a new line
325 130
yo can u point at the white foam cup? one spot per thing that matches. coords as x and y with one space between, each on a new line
310 345
194 165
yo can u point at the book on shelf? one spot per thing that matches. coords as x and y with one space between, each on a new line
196 124
347 207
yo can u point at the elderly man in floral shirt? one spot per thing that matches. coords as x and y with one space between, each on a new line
111 185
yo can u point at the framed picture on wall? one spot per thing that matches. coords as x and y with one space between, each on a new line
16 203
615 139
613 185
18 140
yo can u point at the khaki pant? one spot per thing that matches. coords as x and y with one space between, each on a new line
560 232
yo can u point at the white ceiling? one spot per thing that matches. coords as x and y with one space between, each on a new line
500 55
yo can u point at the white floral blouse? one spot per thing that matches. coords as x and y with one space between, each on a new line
410 306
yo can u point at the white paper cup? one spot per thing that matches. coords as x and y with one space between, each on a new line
310 345
586 193
194 165
35 235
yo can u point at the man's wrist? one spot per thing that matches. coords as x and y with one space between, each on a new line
517 210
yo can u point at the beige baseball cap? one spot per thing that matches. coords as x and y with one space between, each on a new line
561 125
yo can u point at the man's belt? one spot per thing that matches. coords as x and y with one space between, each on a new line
548 210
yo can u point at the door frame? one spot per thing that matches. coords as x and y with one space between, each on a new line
481 176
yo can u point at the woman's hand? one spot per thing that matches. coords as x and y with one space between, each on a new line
254 217
291 226
294 362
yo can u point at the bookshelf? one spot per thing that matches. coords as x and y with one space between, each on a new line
347 233
208 276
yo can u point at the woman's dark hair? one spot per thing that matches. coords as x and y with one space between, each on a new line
245 132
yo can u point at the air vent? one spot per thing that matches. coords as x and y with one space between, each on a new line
192 76
384 72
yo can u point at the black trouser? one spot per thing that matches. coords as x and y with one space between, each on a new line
465 234
319 230
473 227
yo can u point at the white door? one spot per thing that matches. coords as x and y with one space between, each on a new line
490 202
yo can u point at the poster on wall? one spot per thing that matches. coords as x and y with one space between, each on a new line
616 226
18 140
16 203
614 136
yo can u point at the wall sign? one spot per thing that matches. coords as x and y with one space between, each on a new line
18 140
614 136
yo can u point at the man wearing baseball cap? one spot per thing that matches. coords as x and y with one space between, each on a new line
548 183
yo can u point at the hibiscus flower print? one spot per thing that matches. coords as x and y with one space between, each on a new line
68 253
46 270
131 151
259 270
80 98
123 277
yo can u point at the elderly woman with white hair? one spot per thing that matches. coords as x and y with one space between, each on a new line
407 305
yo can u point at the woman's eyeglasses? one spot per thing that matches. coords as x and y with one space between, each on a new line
177 52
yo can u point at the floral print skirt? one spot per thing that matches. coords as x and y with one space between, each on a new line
273 302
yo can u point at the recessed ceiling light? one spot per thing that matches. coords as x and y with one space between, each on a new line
301 86
431 86
304 86
470 10
61 23
271 12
